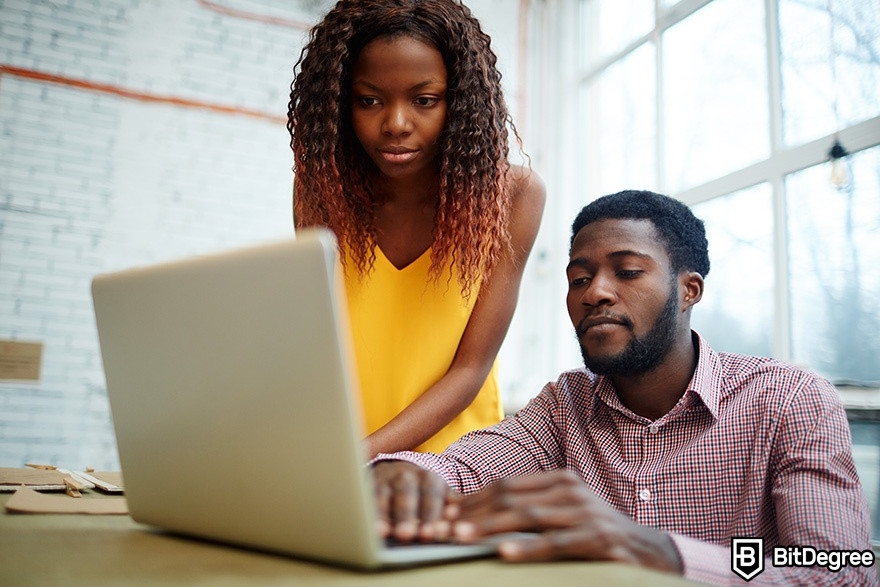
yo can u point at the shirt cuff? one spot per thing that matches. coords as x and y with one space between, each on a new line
703 561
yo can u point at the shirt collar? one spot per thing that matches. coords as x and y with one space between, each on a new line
705 382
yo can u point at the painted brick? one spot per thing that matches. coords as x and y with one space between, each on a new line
91 182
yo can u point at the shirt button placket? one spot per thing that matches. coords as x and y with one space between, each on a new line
644 495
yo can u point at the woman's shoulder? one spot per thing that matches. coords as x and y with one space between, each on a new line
526 184
527 202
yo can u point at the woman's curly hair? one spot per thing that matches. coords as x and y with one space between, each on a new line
334 175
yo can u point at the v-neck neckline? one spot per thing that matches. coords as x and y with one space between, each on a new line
382 254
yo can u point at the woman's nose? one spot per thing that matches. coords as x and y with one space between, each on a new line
397 120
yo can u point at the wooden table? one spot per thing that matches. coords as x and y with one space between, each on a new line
42 549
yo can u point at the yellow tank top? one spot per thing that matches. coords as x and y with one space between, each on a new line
406 328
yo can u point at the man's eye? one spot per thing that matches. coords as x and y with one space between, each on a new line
578 281
629 273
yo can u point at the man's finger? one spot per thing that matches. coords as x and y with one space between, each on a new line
404 505
547 546
526 493
432 498
382 494
536 518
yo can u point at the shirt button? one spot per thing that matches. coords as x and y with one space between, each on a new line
645 495
653 429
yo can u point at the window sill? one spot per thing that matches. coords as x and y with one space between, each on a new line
859 398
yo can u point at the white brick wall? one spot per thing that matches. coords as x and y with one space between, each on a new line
91 181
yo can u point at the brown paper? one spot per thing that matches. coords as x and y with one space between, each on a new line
46 479
27 501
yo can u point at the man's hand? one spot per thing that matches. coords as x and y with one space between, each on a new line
411 502
569 520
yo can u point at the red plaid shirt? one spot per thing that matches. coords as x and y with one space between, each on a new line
754 448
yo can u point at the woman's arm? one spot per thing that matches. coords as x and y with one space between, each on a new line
482 337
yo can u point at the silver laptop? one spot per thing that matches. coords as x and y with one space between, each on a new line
233 397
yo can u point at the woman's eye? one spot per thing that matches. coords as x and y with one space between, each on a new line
368 101
426 100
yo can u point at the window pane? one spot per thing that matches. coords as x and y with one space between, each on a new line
834 243
715 93
736 312
622 117
830 65
608 26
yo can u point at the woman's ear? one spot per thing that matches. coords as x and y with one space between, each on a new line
692 284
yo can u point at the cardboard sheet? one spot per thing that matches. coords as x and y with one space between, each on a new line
28 501
46 479
52 479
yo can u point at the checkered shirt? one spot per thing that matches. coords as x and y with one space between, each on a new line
754 448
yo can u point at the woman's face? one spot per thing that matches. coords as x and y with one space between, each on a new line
399 105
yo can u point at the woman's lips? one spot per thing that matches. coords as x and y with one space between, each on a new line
398 155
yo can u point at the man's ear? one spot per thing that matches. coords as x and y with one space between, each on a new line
692 284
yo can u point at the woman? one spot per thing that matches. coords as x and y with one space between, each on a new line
400 138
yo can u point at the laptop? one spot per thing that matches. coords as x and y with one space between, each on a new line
232 389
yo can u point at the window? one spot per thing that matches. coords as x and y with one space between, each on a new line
715 91
737 304
835 270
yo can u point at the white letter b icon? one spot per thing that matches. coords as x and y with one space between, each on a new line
747 557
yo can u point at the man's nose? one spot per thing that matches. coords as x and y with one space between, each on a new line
599 292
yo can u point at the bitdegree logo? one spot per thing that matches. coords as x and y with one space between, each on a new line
747 558
807 556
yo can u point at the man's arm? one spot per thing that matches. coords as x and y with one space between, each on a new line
817 497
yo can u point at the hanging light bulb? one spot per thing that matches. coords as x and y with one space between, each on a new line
839 168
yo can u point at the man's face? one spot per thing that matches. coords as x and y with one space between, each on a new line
623 298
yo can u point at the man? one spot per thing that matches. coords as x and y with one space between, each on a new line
662 450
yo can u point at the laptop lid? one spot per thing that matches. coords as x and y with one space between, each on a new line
231 385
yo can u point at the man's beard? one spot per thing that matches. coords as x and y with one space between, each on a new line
641 354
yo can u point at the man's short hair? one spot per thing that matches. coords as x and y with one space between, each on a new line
683 233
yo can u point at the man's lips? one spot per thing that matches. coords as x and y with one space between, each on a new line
591 321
